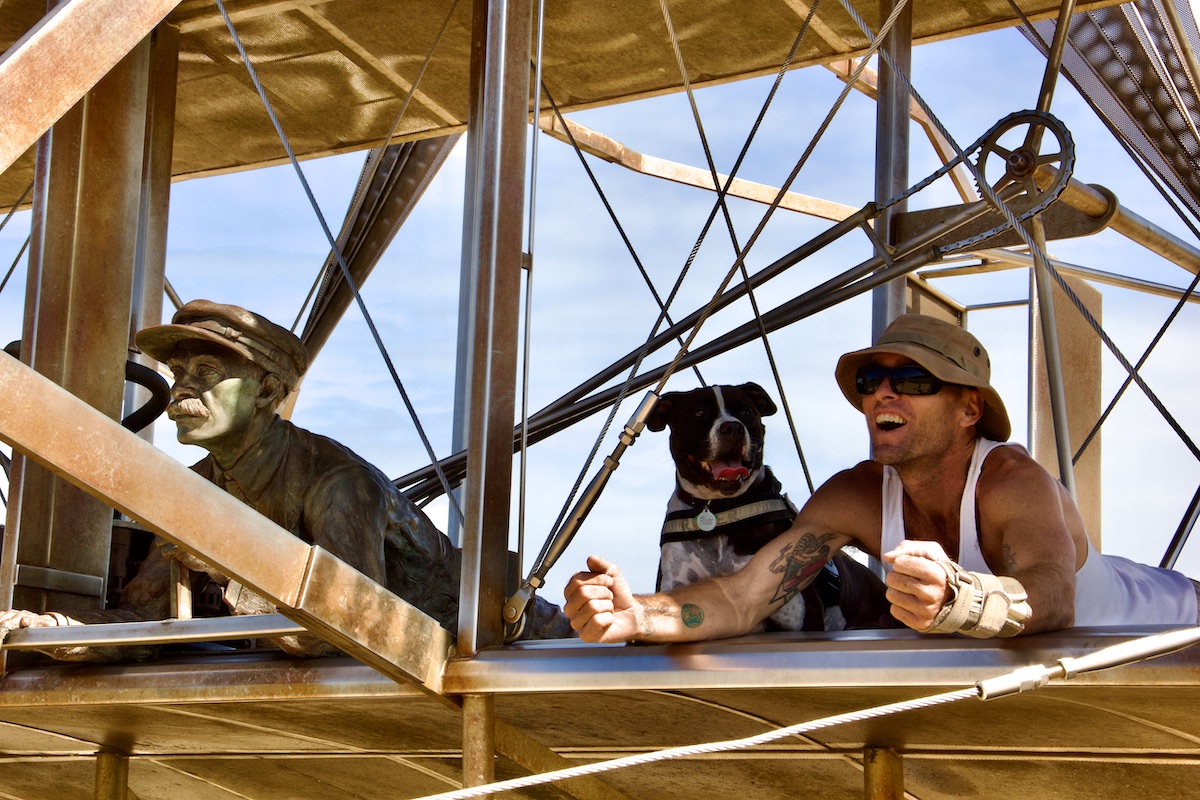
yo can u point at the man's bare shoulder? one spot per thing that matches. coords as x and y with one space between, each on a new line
849 504
1009 467
1018 498
858 482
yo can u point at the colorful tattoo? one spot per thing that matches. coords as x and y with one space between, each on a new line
692 615
798 563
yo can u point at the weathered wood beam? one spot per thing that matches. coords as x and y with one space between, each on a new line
64 55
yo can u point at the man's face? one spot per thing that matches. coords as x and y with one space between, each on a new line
213 399
905 428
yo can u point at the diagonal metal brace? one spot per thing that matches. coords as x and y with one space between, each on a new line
309 585
57 62
514 609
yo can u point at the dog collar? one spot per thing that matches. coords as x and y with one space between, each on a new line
765 485
749 520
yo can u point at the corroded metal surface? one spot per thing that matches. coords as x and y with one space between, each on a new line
310 586
1126 732
343 68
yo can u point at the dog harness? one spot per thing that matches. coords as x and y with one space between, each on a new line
749 520
739 527
1109 590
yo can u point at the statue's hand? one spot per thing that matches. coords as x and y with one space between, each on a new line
18 618
194 563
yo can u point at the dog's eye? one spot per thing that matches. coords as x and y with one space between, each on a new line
745 412
700 413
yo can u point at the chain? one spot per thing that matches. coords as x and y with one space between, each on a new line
1045 198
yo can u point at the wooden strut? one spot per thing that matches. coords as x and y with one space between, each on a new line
883 774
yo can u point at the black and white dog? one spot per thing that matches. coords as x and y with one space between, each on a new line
727 505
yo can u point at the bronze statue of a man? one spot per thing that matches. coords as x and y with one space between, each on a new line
233 369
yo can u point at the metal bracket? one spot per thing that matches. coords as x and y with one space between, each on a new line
59 580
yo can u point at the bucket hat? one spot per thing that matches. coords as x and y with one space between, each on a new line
947 351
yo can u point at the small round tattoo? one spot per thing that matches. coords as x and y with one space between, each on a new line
692 615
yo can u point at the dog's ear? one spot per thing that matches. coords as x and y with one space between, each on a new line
657 420
758 395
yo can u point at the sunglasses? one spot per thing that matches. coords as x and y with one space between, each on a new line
906 379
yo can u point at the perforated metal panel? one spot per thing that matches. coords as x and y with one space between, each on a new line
1129 64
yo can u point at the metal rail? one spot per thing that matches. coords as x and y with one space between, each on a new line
163 632
308 584
1095 203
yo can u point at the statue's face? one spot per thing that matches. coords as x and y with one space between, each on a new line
213 399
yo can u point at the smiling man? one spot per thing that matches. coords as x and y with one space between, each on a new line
233 369
977 538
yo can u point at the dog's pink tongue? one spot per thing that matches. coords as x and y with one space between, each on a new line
729 472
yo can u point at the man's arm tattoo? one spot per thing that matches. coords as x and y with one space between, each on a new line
691 615
1010 560
798 563
652 608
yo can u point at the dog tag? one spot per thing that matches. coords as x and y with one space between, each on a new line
707 520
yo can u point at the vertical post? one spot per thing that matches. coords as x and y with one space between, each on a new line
86 195
479 739
497 128
1043 286
112 776
149 269
883 774
892 125
493 213
180 591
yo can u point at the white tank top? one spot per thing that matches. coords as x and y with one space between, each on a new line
1109 590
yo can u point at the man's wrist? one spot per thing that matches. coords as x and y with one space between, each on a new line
981 605
656 617
643 618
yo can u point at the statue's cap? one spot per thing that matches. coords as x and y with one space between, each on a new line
250 335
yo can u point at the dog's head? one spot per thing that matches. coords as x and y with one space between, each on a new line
716 437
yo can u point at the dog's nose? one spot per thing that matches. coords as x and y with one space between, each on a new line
730 428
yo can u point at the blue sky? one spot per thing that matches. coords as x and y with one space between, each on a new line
252 239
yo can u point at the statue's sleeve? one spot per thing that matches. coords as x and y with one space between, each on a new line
346 513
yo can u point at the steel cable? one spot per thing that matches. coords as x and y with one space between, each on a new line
706 748
663 315
340 260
